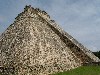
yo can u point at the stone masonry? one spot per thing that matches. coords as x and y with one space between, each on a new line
35 45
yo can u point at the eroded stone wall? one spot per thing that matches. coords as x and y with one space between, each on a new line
36 45
80 51
32 47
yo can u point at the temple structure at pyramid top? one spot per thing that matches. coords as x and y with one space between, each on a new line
35 45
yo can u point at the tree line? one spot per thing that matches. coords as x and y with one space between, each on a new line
97 54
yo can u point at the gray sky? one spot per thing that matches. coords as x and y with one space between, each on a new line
80 18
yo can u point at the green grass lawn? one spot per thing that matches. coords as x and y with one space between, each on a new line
84 70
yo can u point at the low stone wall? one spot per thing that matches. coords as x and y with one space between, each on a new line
91 64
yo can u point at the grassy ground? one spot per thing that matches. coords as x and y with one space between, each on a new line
84 70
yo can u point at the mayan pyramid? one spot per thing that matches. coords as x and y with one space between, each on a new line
35 45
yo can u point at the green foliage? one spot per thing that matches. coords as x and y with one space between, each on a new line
97 54
84 70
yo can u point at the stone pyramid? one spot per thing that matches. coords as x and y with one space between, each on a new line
35 45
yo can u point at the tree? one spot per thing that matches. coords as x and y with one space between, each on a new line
97 54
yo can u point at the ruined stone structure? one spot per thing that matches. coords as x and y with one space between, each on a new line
35 45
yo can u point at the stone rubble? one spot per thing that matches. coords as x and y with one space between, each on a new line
35 45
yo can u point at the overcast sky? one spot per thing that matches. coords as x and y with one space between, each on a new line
80 18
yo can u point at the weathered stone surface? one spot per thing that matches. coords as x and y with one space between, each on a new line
35 45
